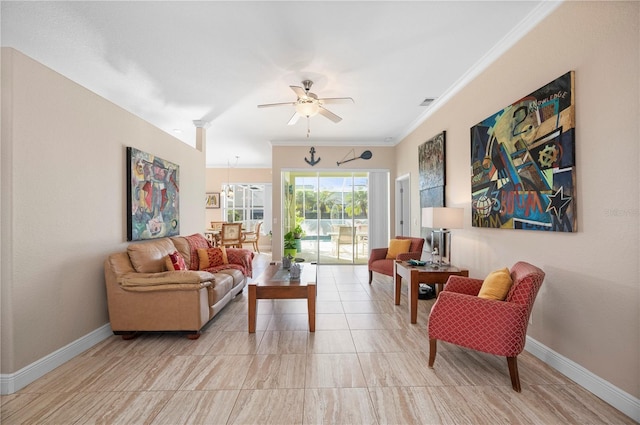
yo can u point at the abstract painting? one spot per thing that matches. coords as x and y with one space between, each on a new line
431 163
152 196
523 162
431 176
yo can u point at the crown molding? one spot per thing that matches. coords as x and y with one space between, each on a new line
537 15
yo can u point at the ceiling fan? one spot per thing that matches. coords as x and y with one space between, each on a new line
308 104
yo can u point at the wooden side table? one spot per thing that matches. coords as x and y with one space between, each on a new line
421 274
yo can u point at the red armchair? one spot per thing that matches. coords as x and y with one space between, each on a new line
497 327
379 263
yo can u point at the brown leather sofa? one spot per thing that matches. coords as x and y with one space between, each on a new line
379 263
143 295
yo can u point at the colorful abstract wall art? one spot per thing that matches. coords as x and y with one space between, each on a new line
152 196
431 176
523 162
431 172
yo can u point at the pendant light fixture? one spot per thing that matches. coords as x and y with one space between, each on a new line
229 191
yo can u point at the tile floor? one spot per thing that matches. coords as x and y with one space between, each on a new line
365 364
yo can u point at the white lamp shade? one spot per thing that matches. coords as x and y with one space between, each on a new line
307 108
442 217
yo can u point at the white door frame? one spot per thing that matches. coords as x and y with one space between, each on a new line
403 205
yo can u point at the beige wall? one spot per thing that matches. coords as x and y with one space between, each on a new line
64 204
293 158
588 307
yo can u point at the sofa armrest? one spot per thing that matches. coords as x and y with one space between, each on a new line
182 277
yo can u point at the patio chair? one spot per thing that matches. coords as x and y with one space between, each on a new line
344 236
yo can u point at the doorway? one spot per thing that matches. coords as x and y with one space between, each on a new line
327 215
403 206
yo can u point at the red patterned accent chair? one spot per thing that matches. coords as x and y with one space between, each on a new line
379 263
460 317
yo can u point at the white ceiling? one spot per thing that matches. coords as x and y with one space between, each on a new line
175 62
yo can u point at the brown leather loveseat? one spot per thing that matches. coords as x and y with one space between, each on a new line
145 293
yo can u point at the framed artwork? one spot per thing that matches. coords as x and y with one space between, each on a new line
431 178
212 200
523 162
431 162
152 196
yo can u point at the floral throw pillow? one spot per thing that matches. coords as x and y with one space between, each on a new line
175 261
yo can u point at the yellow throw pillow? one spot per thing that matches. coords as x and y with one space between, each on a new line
212 257
398 246
496 285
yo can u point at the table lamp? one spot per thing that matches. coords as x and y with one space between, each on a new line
440 220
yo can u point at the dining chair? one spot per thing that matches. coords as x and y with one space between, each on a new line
231 235
213 233
216 225
253 237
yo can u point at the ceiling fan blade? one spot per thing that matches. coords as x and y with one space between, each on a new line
328 114
300 92
336 100
268 105
294 119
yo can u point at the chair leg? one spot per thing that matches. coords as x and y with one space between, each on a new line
433 344
513 372
370 276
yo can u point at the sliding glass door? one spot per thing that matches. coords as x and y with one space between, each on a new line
328 211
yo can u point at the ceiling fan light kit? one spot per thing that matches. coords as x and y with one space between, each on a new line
307 108
308 104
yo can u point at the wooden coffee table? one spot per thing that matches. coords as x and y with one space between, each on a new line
274 283
421 274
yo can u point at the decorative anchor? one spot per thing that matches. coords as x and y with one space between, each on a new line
313 161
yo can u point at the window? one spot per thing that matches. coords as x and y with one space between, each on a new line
245 203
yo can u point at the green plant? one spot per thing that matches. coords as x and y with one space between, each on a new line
289 241
298 232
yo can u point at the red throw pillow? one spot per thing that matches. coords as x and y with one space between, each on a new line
175 261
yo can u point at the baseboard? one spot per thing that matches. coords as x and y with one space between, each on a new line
621 400
10 383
